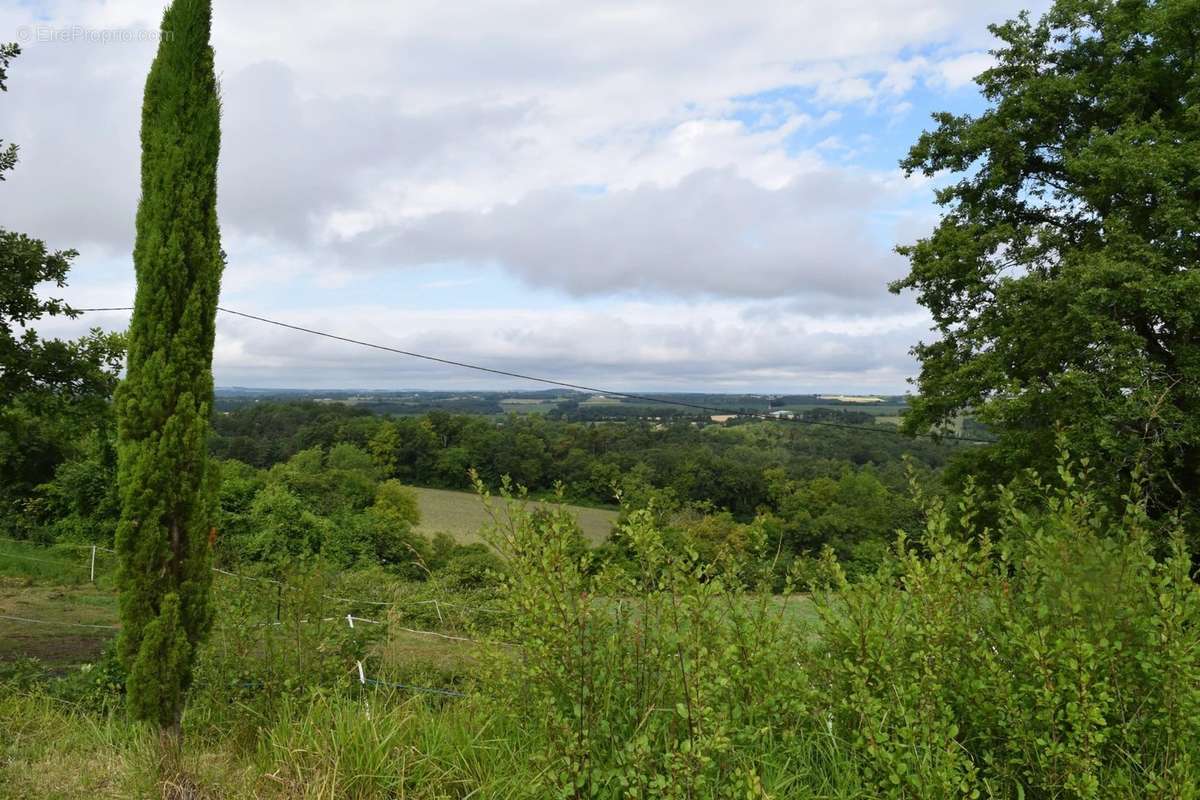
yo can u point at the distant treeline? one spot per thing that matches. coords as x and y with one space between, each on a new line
846 487
816 486
564 404
717 464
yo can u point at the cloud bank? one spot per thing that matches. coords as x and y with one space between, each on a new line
634 191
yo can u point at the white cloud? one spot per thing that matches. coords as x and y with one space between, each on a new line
653 149
714 233
370 114
628 346
954 73
738 346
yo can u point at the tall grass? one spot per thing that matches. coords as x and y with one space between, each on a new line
1056 655
376 746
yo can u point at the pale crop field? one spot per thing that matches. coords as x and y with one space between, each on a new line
462 515
528 406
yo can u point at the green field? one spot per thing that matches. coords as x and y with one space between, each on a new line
64 563
462 515
528 406
601 400
884 409
52 586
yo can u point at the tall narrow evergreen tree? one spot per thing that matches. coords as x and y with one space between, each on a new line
163 404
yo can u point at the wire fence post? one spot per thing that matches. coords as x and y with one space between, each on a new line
93 563
362 680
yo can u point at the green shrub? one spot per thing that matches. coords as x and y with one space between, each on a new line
667 683
273 640
1053 652
477 568
1051 657
97 687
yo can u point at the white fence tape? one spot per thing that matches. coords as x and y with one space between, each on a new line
55 622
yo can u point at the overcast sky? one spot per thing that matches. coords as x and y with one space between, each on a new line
640 195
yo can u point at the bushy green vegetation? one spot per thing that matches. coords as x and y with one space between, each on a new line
312 474
337 483
437 449
1062 274
779 611
53 394
1053 655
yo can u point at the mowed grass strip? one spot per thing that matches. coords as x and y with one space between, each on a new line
58 564
462 515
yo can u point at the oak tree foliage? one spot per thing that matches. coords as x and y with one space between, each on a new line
52 391
1064 275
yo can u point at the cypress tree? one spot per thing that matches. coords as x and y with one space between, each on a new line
163 404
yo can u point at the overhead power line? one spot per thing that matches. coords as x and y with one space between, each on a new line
568 385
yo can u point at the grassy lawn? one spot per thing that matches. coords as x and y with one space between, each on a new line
462 515
61 564
52 585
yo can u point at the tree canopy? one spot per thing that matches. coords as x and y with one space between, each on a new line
1063 276
52 392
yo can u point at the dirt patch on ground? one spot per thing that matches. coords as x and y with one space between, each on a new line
51 623
68 648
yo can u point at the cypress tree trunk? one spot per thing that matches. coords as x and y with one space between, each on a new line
163 404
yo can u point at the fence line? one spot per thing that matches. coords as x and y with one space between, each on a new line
44 560
352 600
56 544
437 604
350 619
439 635
243 577
362 678
411 688
484 609
54 622
453 638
